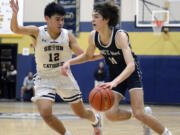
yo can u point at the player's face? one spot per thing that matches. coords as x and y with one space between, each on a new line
98 21
101 65
55 22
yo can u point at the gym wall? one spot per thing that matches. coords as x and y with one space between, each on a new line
159 58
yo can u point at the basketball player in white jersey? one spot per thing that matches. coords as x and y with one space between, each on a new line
53 46
124 71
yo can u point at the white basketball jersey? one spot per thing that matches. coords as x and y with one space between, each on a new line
50 54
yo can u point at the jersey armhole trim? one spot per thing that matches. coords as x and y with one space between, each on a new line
94 33
120 30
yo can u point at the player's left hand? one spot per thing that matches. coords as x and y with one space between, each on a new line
65 68
109 85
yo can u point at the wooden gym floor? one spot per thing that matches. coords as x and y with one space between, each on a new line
23 119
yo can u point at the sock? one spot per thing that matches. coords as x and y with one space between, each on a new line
67 133
96 120
131 113
166 132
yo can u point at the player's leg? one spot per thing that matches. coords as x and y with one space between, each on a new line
88 114
137 104
74 97
44 98
45 110
22 92
33 89
115 113
70 92
79 109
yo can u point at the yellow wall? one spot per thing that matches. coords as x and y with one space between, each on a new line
146 43
143 43
22 41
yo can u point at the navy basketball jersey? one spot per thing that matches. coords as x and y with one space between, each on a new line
113 55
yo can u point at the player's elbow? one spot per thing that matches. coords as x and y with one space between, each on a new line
80 52
14 29
88 57
131 67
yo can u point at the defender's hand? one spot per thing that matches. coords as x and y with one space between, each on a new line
65 68
14 6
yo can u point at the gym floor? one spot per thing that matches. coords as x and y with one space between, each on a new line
18 118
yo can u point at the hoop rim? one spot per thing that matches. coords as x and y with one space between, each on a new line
159 23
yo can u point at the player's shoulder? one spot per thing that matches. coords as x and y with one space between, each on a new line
42 31
65 31
26 78
92 33
68 33
121 33
43 28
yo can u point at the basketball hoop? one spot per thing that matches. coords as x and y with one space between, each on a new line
157 26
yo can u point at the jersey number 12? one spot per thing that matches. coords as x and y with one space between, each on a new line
53 57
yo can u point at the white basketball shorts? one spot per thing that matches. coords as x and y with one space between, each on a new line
65 86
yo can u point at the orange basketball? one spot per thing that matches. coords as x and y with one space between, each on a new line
101 99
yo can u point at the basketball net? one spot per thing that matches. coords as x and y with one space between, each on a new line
157 27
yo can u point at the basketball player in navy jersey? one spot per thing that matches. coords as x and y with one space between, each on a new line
53 46
123 67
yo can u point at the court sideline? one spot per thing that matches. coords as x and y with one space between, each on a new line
23 119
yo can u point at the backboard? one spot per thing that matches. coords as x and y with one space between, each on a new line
148 11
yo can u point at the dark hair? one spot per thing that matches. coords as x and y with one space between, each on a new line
109 11
54 8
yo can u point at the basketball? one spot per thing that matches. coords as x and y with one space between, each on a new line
101 99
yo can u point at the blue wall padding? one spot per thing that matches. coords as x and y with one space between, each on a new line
161 77
25 64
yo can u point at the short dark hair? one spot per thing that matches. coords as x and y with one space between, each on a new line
54 8
109 11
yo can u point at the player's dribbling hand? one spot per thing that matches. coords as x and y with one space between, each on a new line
14 6
65 68
109 85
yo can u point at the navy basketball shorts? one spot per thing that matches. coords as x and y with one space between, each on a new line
134 81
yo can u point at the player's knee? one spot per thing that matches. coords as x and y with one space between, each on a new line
139 114
84 114
45 113
110 116
81 115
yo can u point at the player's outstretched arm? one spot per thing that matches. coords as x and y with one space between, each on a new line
87 55
83 57
74 45
78 51
96 57
28 30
